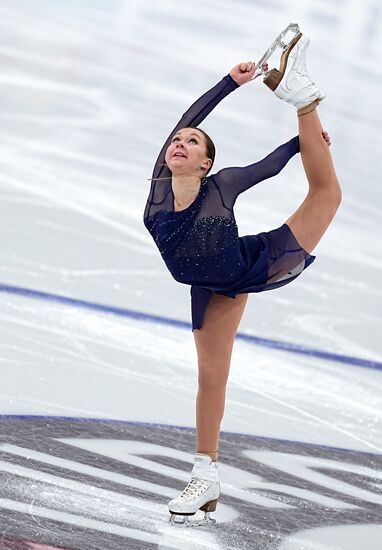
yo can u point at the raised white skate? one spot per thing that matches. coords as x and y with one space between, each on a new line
291 81
201 493
296 86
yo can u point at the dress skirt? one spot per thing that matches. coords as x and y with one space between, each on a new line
271 259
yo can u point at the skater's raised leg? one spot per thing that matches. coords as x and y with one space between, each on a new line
312 218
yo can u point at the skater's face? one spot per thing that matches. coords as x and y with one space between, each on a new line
187 153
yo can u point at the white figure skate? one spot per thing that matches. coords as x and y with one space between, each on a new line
201 493
291 81
296 86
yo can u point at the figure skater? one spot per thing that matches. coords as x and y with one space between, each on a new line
190 217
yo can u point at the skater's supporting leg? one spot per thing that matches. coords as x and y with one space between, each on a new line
314 215
214 342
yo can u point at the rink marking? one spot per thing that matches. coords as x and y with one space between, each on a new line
147 317
163 426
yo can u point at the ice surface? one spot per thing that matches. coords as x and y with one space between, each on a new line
89 91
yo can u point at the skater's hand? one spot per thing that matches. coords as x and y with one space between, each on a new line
243 72
326 137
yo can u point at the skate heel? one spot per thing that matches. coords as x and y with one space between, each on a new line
209 506
274 77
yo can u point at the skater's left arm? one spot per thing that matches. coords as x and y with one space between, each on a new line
234 180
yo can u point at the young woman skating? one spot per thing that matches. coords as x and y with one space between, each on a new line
191 219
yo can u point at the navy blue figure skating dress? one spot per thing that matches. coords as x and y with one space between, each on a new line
200 244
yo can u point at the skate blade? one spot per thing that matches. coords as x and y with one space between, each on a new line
184 521
277 43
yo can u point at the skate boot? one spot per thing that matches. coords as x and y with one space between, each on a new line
201 493
292 83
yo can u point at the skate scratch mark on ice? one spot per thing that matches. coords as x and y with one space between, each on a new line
65 202
140 316
71 519
312 416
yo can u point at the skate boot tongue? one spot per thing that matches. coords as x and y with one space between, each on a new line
202 458
205 467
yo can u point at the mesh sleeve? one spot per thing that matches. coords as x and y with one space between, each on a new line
234 180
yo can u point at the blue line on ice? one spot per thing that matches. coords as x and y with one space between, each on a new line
275 344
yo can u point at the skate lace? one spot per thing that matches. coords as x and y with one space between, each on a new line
194 486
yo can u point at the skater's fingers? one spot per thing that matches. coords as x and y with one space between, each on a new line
246 67
243 72
326 137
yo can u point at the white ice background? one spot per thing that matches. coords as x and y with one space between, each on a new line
89 91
